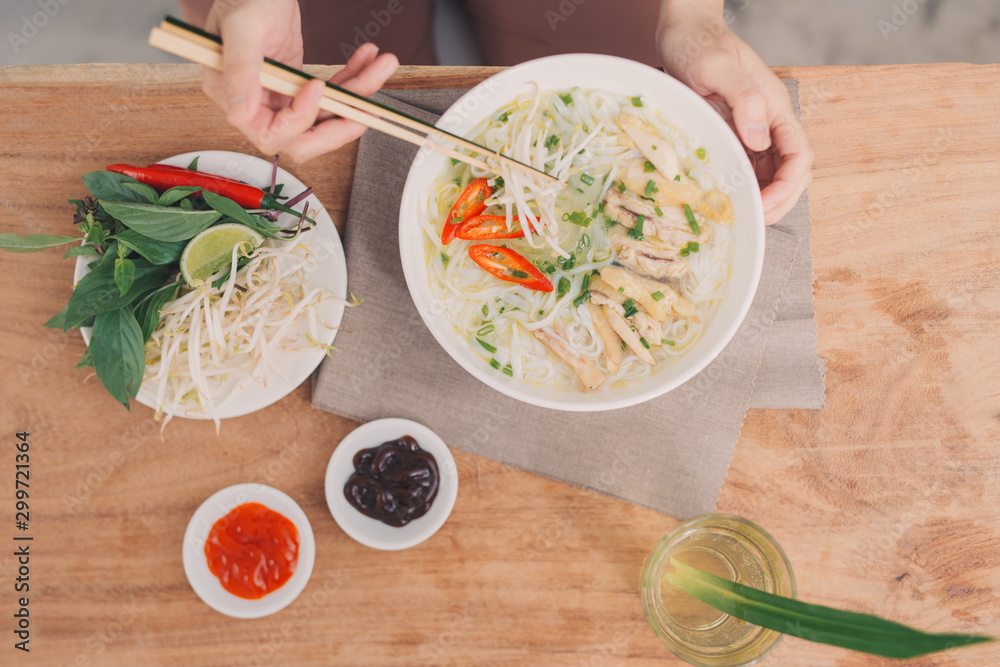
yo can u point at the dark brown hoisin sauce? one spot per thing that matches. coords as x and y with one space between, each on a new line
394 483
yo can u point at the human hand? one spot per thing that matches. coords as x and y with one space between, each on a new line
699 49
253 29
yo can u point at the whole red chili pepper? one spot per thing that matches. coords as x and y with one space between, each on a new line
163 177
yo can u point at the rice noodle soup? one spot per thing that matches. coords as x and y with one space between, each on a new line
594 283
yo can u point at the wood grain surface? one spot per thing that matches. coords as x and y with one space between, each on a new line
886 501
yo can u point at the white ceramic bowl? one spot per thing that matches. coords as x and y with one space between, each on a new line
330 274
677 103
374 533
207 585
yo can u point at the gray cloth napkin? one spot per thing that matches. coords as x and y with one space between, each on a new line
670 454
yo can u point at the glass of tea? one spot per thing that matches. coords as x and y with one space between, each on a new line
729 547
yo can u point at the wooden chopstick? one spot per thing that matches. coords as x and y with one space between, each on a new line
284 83
203 48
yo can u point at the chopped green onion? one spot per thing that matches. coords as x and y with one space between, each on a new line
659 211
458 181
700 153
508 370
455 162
541 311
651 188
486 310
580 190
677 177
551 141
486 346
586 179
654 147
621 187
502 308
567 98
586 281
644 343
667 342
495 364
648 167
516 273
637 101
503 117
444 259
563 287
630 308
623 345
689 214
636 232
621 289
550 268
584 241
578 218
486 329
693 246
568 263
600 207
582 299
685 252
498 182
657 296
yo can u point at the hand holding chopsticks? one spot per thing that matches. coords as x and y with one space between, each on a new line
198 46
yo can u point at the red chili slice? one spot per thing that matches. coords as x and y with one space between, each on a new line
484 227
508 265
470 203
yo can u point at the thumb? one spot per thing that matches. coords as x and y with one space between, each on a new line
748 105
243 53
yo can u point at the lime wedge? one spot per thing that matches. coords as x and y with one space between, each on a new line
211 250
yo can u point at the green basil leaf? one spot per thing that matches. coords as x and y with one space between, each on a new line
157 252
33 242
97 291
81 251
86 361
117 351
124 274
229 208
147 312
148 194
111 186
163 223
194 162
96 235
174 195
58 319
187 205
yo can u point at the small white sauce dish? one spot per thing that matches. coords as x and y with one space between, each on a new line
371 532
207 585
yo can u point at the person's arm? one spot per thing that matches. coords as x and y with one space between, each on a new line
698 48
253 29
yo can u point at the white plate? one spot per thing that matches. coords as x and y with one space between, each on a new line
371 532
207 585
330 274
677 103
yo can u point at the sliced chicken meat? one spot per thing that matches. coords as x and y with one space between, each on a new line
634 287
647 327
671 228
589 373
647 259
613 355
628 335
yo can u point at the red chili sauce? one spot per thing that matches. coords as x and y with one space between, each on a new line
253 550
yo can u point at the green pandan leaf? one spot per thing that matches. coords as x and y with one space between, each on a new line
815 623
